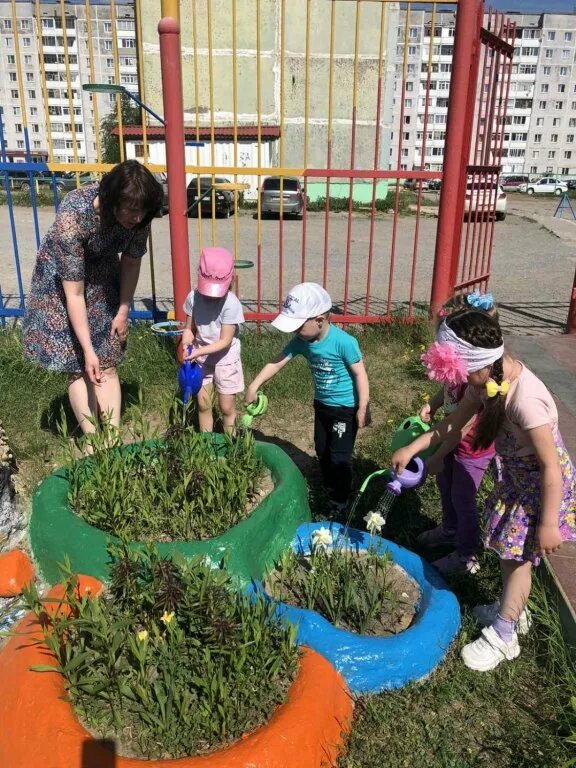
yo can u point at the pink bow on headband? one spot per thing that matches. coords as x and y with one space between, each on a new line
444 364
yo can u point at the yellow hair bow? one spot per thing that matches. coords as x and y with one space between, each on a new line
493 389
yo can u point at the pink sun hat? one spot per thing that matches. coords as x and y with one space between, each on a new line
215 272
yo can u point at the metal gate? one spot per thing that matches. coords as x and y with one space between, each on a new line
345 99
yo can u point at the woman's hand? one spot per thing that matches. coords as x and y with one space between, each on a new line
400 459
92 367
548 539
120 326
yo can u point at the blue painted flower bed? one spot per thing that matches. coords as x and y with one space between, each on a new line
371 664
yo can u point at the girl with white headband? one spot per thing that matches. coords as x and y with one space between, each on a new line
464 467
532 508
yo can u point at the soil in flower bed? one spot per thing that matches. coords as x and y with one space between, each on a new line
170 661
183 487
359 591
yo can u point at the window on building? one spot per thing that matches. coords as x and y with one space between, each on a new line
570 138
29 77
555 122
407 119
547 70
8 42
25 25
527 69
537 138
549 53
559 105
567 37
405 152
27 60
533 169
551 35
406 135
551 154
554 138
47 23
568 155
566 53
18 127
14 94
412 50
11 59
16 111
107 26
539 121
35 128
107 45
409 84
12 76
110 63
33 111
7 24
26 42
565 171
413 32
31 94
37 144
20 144
544 88
446 50
563 71
408 103
126 25
536 154
130 42
561 88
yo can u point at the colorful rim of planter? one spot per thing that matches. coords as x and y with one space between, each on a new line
252 545
372 664
39 727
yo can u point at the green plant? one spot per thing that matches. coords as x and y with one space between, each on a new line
184 486
351 588
165 660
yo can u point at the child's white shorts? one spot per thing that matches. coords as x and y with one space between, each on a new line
227 378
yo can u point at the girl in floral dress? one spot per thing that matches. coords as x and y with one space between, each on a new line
83 283
532 508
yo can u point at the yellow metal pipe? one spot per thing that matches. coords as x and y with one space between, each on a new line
44 87
117 78
141 84
235 130
211 86
197 117
209 170
93 80
259 128
170 8
23 114
72 116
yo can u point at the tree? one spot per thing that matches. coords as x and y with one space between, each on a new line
109 141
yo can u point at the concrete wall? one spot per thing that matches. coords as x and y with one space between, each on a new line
283 77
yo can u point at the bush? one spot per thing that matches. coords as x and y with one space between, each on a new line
166 660
185 487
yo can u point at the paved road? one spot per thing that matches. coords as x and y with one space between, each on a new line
533 264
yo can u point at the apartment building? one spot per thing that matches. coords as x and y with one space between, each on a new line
57 57
540 124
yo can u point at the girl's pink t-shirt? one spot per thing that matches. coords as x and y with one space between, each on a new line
452 396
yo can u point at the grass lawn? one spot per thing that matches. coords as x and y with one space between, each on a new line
522 715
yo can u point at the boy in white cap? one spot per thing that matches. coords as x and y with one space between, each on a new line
340 382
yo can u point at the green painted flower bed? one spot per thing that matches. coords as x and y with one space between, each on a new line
251 546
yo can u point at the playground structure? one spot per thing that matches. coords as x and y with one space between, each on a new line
391 272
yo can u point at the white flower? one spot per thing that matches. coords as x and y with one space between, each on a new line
321 538
374 522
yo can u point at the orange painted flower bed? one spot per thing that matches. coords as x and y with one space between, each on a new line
39 727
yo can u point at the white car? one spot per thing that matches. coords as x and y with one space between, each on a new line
546 186
485 197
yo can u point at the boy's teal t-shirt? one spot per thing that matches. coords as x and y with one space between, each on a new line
330 360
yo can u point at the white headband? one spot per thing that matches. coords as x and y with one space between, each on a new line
475 358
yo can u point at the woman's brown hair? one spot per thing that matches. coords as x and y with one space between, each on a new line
129 184
479 329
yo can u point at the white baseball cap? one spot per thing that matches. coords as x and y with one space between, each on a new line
304 301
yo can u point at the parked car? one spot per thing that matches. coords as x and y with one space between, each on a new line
435 185
513 183
64 180
546 186
571 185
161 179
413 184
292 195
484 197
224 199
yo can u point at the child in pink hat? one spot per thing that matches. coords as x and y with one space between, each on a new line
214 315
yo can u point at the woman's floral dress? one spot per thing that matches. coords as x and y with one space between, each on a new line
75 248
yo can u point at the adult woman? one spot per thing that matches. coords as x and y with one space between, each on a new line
77 314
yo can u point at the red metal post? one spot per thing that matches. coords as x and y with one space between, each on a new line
571 324
458 135
170 62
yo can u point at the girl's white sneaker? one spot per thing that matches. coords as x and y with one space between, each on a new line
486 615
489 650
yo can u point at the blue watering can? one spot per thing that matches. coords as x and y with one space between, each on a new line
190 379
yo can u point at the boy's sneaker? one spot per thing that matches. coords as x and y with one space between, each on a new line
436 537
454 563
489 650
486 615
